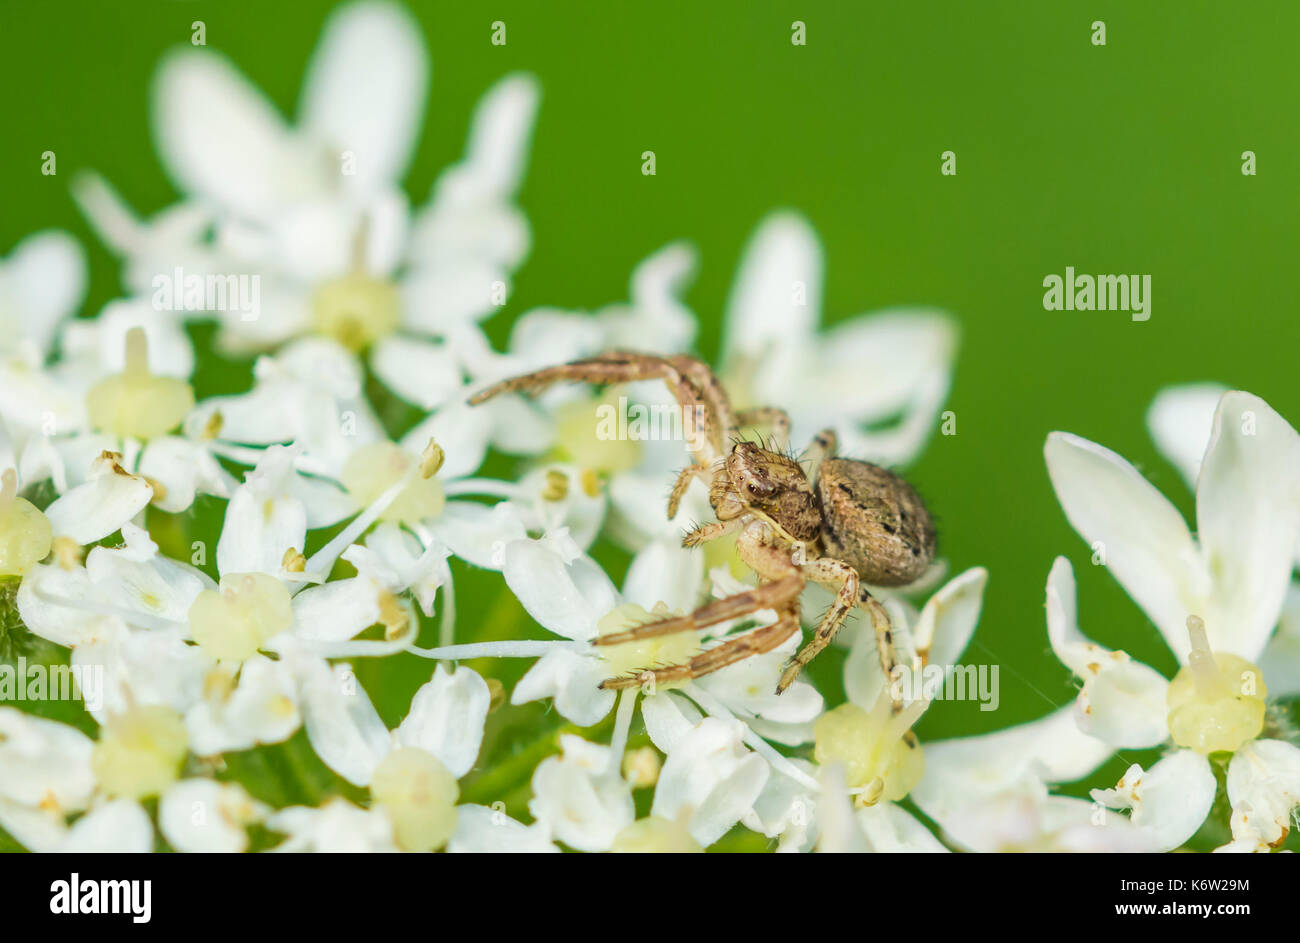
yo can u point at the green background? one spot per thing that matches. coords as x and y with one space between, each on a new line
1118 159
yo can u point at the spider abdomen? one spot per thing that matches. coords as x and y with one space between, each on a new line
874 521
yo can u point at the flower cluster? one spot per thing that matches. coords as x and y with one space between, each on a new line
348 484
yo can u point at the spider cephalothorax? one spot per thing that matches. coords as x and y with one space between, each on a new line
842 523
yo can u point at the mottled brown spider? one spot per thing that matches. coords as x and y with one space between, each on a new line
844 524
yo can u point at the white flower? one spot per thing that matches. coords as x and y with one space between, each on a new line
411 771
581 797
45 775
42 284
895 363
315 211
710 779
1215 598
986 792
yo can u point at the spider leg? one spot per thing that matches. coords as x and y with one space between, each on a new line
776 419
823 446
700 421
684 479
777 594
829 573
755 642
710 387
706 532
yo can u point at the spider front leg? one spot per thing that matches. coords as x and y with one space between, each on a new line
684 479
754 642
624 367
777 594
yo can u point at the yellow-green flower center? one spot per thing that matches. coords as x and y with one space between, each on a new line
639 655
589 435
25 534
875 748
139 753
357 310
419 794
135 403
373 469
1216 701
248 611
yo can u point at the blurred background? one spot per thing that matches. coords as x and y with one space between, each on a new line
1124 158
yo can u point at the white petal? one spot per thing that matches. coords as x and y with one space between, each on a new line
438 298
961 771
423 373
344 728
365 90
891 828
1281 659
498 146
221 139
137 579
786 810
263 708
93 510
665 572
711 773
1248 521
565 598
117 826
44 763
1123 702
262 519
777 295
479 533
483 830
33 828
336 611
1264 788
43 598
1171 800
183 468
1145 541
446 718
840 832
201 815
572 679
1180 420
140 667
948 619
42 282
668 718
